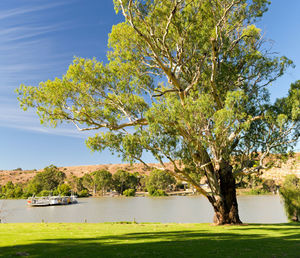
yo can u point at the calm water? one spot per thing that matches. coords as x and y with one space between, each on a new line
179 209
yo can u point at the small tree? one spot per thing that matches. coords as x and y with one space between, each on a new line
129 192
122 180
159 180
76 184
290 191
48 180
11 191
103 180
88 183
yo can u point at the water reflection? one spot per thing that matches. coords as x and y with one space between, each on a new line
179 209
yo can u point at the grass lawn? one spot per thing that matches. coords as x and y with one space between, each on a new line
148 240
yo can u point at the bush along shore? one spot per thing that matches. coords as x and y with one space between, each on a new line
52 181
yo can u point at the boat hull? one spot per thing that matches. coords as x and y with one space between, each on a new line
51 201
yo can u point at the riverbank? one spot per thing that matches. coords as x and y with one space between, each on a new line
148 240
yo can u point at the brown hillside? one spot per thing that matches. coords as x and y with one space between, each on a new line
292 166
23 176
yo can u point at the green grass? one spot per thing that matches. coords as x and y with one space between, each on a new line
149 240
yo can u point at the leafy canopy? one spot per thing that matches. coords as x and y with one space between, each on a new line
186 81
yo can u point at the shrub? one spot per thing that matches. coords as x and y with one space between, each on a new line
83 193
129 192
64 189
18 192
290 192
159 192
257 191
44 193
156 192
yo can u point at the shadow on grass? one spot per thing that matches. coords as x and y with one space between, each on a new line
194 243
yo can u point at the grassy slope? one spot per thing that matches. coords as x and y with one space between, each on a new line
149 240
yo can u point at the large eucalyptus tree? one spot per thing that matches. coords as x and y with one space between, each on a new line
186 81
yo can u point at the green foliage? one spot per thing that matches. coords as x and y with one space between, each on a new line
76 183
290 192
88 183
129 192
158 181
103 180
186 81
256 191
142 182
49 180
11 191
44 193
156 192
122 180
83 193
250 181
64 190
97 181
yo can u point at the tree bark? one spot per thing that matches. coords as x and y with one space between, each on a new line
296 217
225 204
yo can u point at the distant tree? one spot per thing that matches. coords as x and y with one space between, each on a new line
89 184
290 191
64 189
122 180
10 190
83 193
103 180
47 193
159 180
269 185
76 183
129 192
34 187
18 191
48 179
142 183
9 185
1 191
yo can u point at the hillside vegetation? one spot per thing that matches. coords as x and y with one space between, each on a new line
292 166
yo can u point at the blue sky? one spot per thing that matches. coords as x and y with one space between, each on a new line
38 40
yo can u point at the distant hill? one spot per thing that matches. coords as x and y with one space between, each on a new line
292 166
23 176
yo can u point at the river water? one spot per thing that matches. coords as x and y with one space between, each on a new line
178 209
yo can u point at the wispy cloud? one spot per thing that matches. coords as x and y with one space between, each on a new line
24 32
28 54
4 14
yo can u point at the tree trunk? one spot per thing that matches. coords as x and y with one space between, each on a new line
94 190
296 217
225 204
